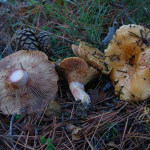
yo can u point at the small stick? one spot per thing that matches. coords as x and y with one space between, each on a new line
125 12
64 126
10 128
72 111
2 125
11 123
110 34
122 71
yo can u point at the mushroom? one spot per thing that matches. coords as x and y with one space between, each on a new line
129 55
78 74
27 80
92 56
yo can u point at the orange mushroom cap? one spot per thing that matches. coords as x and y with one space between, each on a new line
92 56
32 92
129 53
78 74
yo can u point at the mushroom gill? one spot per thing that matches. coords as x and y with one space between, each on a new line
27 80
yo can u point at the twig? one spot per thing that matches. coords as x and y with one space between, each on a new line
6 144
2 125
125 128
7 46
72 111
110 34
64 126
36 135
89 142
148 147
11 123
125 12
69 140
10 129
26 141
18 140
17 143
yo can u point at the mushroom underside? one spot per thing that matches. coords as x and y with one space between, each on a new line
39 87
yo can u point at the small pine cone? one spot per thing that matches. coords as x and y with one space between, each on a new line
27 40
45 43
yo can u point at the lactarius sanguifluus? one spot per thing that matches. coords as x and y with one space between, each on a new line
27 80
78 74
129 55
92 56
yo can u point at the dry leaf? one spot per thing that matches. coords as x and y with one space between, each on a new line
96 96
112 144
102 95
54 109
29 127
23 9
60 2
75 131
70 127
93 95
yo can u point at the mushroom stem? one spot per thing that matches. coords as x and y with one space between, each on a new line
77 89
18 77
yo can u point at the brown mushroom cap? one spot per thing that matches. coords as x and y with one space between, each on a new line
129 54
76 69
78 74
92 56
40 88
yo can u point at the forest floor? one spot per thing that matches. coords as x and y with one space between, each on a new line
111 124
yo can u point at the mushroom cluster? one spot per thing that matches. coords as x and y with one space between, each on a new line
27 80
129 55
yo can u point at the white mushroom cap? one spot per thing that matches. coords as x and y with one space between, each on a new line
35 82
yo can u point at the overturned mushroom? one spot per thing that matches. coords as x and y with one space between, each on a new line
27 80
92 56
129 55
78 74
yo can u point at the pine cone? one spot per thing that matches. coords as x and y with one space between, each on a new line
45 43
27 40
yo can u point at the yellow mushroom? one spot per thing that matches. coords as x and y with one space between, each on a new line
92 56
129 55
